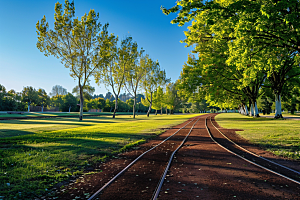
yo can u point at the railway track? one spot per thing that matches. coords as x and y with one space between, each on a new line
158 157
230 146
156 161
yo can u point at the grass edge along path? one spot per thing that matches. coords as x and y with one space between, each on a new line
281 137
32 164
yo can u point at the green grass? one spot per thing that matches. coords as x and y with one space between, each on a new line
45 114
284 114
36 154
282 137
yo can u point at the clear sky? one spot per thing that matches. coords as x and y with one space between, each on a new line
22 64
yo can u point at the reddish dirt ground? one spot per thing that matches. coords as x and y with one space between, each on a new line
200 170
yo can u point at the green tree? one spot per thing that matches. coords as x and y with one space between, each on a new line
2 95
116 65
134 74
77 43
68 103
108 105
29 96
43 98
57 101
157 101
152 79
262 36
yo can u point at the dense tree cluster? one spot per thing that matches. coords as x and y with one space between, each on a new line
245 52
30 99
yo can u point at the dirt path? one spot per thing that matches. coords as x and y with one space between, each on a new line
201 170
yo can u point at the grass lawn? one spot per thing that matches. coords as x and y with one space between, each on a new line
284 114
45 114
36 154
282 137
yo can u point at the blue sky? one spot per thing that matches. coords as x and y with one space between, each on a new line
22 64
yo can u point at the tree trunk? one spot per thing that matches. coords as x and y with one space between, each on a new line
278 113
251 108
42 107
246 110
81 103
155 112
166 110
28 107
256 114
241 109
161 110
149 110
116 106
134 102
70 108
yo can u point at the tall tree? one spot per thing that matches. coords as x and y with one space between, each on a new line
68 103
117 61
157 101
77 43
43 98
152 79
134 74
29 95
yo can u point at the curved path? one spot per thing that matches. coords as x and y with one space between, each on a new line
201 170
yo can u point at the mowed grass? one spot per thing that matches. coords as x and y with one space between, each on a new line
55 114
282 137
37 154
284 114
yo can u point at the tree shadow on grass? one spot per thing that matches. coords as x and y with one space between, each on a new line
11 133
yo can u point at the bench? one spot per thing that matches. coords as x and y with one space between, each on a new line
15 112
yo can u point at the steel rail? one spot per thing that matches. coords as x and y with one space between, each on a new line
254 153
295 181
158 188
130 164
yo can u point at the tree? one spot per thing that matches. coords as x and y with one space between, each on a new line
172 99
108 106
2 95
262 37
29 96
152 79
68 103
77 43
135 73
57 101
43 98
157 101
58 90
117 62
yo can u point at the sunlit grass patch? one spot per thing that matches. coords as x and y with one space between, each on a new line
49 151
282 137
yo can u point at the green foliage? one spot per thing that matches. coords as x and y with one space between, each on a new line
242 47
69 103
29 95
81 45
